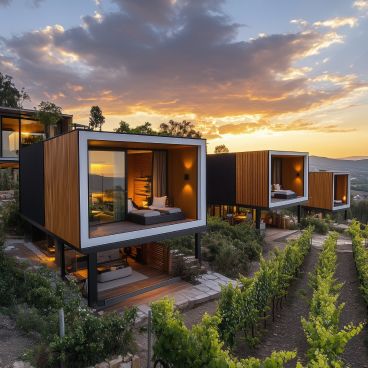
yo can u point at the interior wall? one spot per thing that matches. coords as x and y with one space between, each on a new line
341 187
183 179
139 165
290 167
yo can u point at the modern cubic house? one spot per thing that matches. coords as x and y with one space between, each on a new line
20 128
328 191
259 180
108 197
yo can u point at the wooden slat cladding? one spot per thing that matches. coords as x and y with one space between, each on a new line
62 188
157 256
320 190
252 178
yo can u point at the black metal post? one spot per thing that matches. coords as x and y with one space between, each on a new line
198 252
299 213
345 215
60 257
92 279
258 218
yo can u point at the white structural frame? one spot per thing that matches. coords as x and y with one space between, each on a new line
293 201
85 136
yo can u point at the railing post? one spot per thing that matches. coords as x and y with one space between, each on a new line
149 338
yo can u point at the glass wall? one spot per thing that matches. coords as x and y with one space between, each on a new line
106 186
32 131
10 137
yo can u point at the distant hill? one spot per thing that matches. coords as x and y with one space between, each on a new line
355 158
358 169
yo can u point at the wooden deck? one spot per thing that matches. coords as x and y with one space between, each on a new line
154 277
125 227
148 297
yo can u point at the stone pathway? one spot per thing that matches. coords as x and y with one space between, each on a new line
207 289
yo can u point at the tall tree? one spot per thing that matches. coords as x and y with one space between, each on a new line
49 115
221 149
96 119
179 129
10 95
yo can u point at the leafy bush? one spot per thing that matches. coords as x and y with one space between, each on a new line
90 338
199 347
358 233
34 296
241 307
227 248
325 338
320 226
11 217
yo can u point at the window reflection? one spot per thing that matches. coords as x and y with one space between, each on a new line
32 131
10 137
106 186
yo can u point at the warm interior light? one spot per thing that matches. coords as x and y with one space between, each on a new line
344 198
188 164
187 189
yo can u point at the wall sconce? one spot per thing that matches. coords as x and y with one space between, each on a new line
186 177
298 174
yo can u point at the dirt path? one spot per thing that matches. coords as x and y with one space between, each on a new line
13 342
356 353
286 332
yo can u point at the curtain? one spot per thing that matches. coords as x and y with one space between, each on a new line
159 171
276 171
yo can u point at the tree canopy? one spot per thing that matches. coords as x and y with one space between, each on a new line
48 113
96 119
221 149
10 95
172 128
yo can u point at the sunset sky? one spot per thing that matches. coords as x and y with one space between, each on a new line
252 74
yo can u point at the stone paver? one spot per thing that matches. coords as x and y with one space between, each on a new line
208 288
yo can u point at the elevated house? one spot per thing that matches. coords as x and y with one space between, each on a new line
329 191
259 180
20 128
107 198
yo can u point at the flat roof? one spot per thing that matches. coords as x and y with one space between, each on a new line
14 110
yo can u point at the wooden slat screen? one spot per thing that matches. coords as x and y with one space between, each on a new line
62 188
252 178
320 190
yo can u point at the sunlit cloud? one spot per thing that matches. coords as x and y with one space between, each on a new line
337 22
361 4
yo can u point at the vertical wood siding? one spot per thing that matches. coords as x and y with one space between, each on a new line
62 188
320 190
252 178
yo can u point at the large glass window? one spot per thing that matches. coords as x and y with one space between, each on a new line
32 131
106 186
10 137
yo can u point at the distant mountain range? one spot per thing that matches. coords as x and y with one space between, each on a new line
352 165
354 158
358 168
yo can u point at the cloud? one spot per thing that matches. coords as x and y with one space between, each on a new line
34 3
5 2
171 58
337 22
296 125
361 4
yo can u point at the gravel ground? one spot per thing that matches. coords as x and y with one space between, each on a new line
13 342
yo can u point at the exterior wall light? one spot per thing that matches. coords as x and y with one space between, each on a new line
186 177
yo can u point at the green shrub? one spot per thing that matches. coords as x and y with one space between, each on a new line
241 307
90 339
320 226
199 347
11 217
326 340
